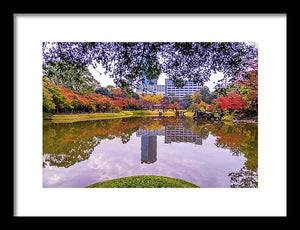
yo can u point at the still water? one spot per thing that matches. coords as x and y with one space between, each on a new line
208 154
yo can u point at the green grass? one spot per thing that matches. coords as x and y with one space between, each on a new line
189 114
144 182
46 115
67 118
229 118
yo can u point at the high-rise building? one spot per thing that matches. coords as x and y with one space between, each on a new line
150 86
149 82
188 88
151 89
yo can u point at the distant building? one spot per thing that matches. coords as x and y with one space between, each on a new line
188 88
150 82
150 86
151 89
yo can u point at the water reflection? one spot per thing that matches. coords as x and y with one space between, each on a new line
180 134
148 149
67 145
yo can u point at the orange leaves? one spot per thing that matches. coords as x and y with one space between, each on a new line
173 106
117 93
233 101
121 102
153 99
63 98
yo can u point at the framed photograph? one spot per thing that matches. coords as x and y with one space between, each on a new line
150 115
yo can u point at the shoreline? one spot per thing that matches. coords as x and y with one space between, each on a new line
69 118
245 121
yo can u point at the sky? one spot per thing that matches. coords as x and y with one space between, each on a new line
105 80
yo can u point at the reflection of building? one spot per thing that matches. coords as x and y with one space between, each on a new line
149 132
176 133
180 134
149 149
188 88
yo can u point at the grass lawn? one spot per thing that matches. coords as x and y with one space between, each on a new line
144 182
66 118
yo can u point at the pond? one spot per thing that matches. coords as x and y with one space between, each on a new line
207 154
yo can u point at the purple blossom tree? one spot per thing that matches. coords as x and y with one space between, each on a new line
124 61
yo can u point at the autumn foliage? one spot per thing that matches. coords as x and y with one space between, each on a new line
232 101
58 99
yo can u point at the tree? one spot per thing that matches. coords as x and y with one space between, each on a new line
48 104
188 99
174 106
233 101
211 96
79 80
120 102
118 93
153 99
205 93
57 97
135 95
103 91
193 107
123 61
249 89
196 97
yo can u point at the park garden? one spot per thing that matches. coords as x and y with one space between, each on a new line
111 136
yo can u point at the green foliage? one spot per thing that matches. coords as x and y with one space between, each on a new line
244 90
188 99
196 97
79 80
48 104
150 68
229 117
216 115
228 89
57 96
193 107
103 91
115 110
205 92
135 96
211 97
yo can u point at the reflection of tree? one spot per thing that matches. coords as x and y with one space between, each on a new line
198 128
66 144
80 150
152 124
240 139
244 178
170 121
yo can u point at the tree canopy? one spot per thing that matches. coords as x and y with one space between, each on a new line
123 61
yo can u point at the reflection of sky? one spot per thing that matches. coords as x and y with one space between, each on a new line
205 165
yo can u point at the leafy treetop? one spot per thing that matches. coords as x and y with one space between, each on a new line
125 61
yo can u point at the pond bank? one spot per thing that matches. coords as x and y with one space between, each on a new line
246 121
67 118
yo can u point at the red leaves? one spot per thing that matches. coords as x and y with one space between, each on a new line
120 102
173 106
232 101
